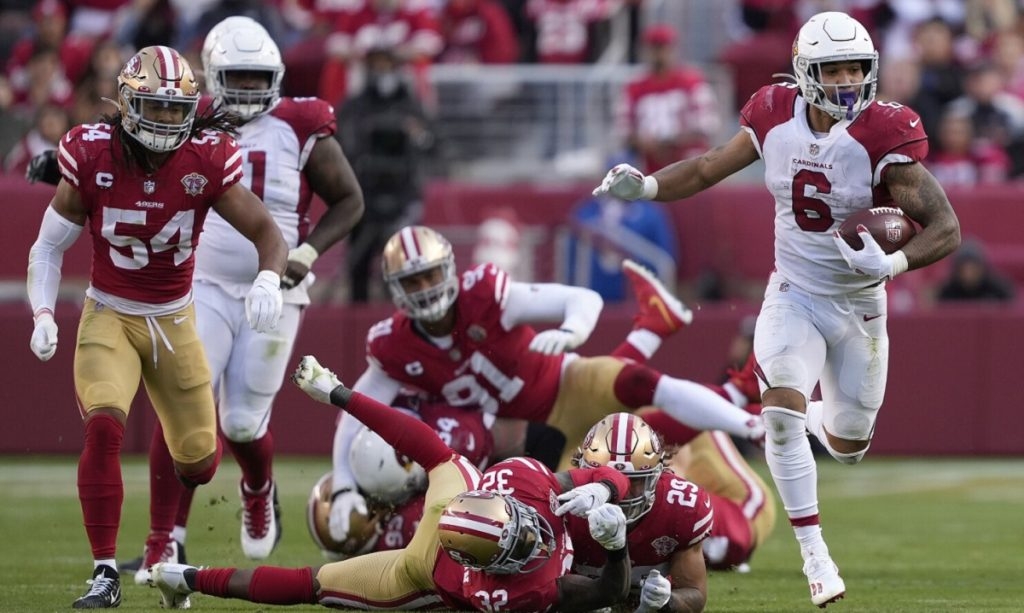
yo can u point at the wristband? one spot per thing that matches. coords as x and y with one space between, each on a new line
899 263
614 494
304 254
650 188
340 396
42 311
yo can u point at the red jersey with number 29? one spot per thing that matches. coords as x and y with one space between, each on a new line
818 180
682 516
486 365
145 227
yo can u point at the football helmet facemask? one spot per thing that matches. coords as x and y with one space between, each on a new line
495 534
414 250
627 443
154 79
241 44
835 37
363 529
382 474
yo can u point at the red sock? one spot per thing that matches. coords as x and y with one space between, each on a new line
635 385
214 581
256 459
626 351
165 489
184 506
273 585
672 432
100 488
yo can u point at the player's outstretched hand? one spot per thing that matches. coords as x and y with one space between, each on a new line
555 342
627 183
315 380
607 525
582 499
654 593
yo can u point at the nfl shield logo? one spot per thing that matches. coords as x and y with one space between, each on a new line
149 186
893 231
814 149
194 183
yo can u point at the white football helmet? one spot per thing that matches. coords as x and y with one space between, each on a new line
834 37
496 534
627 443
381 473
242 44
413 250
157 77
363 532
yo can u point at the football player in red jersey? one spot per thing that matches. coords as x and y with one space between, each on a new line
467 339
290 154
830 149
668 517
143 182
504 533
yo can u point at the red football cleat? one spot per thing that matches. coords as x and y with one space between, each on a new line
659 311
745 380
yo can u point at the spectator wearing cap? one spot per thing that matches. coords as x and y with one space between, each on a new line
670 113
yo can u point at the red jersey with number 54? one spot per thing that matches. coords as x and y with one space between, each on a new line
145 227
485 365
818 180
682 516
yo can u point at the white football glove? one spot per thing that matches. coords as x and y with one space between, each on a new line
315 380
628 183
871 260
44 336
607 525
341 510
654 593
555 342
583 499
264 301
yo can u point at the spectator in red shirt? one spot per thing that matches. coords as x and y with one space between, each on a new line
477 32
960 159
563 27
51 122
410 31
671 112
72 53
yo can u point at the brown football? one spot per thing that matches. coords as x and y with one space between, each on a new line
889 225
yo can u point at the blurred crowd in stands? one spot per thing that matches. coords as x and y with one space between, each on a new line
959 63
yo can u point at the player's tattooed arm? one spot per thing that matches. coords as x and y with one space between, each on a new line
918 193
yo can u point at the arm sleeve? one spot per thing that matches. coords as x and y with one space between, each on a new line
617 482
56 235
376 384
577 307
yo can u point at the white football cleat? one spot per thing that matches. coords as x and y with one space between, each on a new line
824 580
169 578
261 527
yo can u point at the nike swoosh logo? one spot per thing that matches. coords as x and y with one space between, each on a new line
870 317
659 304
179 320
913 124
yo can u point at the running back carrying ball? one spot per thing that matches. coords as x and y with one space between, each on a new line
890 227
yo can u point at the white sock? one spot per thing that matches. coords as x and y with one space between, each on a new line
111 562
700 408
644 341
790 461
178 534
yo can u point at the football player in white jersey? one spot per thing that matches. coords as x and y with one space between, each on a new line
290 153
830 149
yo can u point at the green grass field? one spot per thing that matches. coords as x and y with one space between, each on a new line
909 535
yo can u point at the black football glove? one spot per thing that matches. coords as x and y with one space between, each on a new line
43 167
